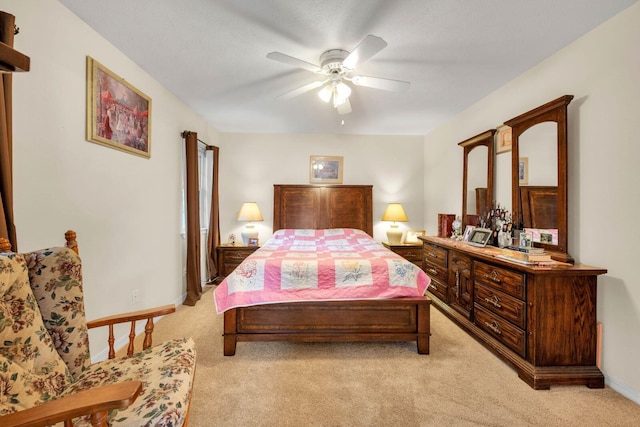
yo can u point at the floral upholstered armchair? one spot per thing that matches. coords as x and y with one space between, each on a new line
45 372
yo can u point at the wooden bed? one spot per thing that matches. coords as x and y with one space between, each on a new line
330 206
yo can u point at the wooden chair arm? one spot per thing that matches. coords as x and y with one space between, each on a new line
96 402
132 317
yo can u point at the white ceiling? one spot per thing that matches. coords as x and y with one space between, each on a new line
212 54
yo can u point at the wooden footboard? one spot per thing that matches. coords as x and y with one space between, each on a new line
398 319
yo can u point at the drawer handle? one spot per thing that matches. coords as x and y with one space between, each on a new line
493 276
432 271
433 254
435 288
494 300
494 327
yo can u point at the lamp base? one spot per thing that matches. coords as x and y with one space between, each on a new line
247 233
394 235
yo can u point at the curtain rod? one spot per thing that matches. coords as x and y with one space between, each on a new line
186 133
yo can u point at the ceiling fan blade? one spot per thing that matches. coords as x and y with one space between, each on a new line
290 60
301 90
344 108
380 83
365 50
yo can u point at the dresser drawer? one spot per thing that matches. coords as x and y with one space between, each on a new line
237 256
439 289
229 257
438 275
410 254
510 282
511 336
501 304
436 272
435 254
227 268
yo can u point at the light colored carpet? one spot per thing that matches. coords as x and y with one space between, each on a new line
374 384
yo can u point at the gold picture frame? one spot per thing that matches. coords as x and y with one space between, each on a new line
118 114
412 236
503 139
523 171
325 169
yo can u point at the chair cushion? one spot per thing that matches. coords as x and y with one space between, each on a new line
56 280
166 372
31 371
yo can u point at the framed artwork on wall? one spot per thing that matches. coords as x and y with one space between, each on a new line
523 171
118 114
503 139
325 169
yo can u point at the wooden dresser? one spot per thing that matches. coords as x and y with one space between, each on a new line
540 320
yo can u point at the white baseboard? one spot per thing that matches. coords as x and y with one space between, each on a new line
124 339
622 388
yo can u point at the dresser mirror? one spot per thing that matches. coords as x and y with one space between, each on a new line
539 175
477 176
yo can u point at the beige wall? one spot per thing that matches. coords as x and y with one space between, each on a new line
601 70
125 209
250 164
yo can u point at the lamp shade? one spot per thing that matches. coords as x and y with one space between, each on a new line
250 212
395 212
325 93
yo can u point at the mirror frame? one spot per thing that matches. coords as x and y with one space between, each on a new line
483 139
553 111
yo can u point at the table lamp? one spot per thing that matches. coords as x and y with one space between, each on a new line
395 213
249 212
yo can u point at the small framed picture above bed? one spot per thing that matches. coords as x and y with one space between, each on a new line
325 169
412 236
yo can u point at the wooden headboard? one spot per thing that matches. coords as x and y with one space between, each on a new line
323 206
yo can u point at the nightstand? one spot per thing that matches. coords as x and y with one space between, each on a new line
409 251
230 256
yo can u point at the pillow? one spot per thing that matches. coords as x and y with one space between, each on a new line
56 281
31 371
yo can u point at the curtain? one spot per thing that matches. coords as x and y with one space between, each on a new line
7 225
214 218
194 286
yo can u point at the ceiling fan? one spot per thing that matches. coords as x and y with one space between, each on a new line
336 65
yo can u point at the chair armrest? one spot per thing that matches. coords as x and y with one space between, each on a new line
132 316
95 402
148 314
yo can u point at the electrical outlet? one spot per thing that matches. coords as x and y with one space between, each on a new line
135 297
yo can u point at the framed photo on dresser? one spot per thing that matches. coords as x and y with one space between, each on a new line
467 233
412 236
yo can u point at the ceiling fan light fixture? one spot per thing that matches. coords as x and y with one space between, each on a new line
343 91
325 93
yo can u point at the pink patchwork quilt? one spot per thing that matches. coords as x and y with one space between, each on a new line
319 265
